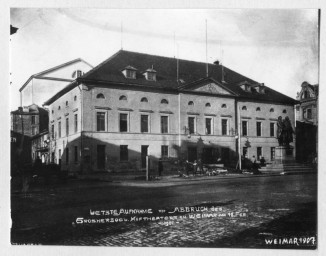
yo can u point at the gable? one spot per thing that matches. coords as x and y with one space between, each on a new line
212 88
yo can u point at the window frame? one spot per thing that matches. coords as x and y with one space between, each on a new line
167 125
59 129
272 134
211 126
194 123
164 151
242 127
76 122
99 114
67 126
127 121
259 129
227 126
124 158
148 123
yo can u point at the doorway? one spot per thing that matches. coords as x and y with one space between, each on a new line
100 156
192 154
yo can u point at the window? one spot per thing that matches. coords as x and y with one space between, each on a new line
208 105
66 103
190 103
224 127
259 152
164 151
52 111
33 120
100 121
79 73
131 74
151 76
164 101
258 109
191 124
123 97
271 110
67 155
34 130
258 128
244 108
208 123
123 153
123 122
52 131
144 99
67 126
76 122
100 96
272 129
144 123
272 153
59 129
76 153
304 113
223 105
284 111
59 159
75 98
244 128
305 94
309 113
59 108
164 124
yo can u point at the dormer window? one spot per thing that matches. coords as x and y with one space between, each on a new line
150 74
246 87
129 72
77 73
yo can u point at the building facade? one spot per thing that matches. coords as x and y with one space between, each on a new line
307 122
135 105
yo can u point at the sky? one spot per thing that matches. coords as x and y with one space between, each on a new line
278 47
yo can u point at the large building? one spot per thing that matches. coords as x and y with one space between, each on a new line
307 122
135 105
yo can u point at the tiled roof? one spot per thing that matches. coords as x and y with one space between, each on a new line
166 77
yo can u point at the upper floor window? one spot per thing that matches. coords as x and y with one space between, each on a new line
190 103
144 123
208 125
52 111
244 108
123 122
123 97
244 128
75 98
309 113
59 108
191 124
208 105
33 120
258 109
224 123
150 74
271 110
164 101
100 121
100 96
164 124
66 103
258 129
223 105
144 99
77 73
306 94
284 111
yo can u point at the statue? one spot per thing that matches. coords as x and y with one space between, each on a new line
284 131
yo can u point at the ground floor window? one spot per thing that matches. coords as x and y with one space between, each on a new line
164 151
67 155
123 152
272 153
259 152
245 152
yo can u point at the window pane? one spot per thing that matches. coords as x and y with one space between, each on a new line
272 130
67 126
59 129
123 122
76 122
191 125
244 128
164 124
164 151
144 123
100 117
208 126
258 128
259 153
224 126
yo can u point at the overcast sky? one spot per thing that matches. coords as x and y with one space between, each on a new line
275 47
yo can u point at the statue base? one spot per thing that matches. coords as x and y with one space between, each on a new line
284 155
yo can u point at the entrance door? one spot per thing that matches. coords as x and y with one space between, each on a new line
144 153
192 154
100 156
208 156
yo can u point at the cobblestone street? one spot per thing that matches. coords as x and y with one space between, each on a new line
238 219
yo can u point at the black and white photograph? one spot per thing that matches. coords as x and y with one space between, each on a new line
174 128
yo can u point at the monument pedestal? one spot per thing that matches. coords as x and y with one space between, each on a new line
284 155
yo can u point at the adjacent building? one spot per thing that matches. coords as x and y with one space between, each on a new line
307 122
135 105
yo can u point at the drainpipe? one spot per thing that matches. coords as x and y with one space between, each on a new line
80 86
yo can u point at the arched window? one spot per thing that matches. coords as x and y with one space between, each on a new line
66 103
164 101
100 96
208 105
144 99
271 110
190 103
284 111
223 105
258 109
59 108
244 108
75 98
123 97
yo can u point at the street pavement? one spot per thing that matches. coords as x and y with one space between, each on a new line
247 210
